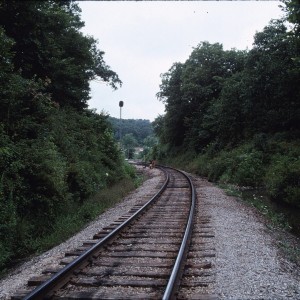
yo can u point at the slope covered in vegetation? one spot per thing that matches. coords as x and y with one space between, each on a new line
234 116
54 152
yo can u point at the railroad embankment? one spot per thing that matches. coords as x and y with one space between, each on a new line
249 262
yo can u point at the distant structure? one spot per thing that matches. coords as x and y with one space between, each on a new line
121 104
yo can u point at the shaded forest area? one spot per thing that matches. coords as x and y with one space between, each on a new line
234 116
54 152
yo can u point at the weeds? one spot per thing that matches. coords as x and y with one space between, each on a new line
78 216
292 251
230 190
70 223
256 199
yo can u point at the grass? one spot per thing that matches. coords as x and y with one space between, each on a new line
291 250
77 217
72 222
230 190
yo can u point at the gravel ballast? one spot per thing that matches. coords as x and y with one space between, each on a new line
248 263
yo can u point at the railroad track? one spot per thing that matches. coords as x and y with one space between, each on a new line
143 255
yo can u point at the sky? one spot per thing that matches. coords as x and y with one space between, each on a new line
143 39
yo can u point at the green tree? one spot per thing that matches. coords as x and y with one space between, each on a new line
188 90
54 153
49 45
129 142
225 117
138 127
293 14
240 111
272 102
171 95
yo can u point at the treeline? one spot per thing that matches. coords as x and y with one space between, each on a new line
234 116
139 128
54 152
135 133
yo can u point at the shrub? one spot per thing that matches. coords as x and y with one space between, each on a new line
219 166
242 166
283 179
249 169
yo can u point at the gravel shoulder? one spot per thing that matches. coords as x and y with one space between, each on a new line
248 262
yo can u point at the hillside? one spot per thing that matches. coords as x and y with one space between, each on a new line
139 128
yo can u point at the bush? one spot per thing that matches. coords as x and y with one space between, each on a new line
248 169
68 159
283 179
129 171
219 166
199 165
241 166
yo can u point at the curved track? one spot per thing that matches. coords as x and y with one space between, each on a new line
141 257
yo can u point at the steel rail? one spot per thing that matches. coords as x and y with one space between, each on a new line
52 283
178 266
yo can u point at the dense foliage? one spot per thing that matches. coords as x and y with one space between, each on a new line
54 152
135 134
139 128
234 116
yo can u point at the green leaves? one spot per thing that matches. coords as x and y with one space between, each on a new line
54 153
232 95
236 108
190 90
48 44
282 179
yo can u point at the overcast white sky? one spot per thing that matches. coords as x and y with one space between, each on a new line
142 40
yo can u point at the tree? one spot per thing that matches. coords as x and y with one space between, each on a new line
49 45
171 94
293 14
238 112
189 90
54 153
273 81
138 127
129 142
225 117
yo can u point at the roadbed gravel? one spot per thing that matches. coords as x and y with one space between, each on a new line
249 263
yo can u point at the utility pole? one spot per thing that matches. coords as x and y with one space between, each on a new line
121 104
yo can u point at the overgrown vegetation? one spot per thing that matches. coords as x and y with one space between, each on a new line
234 116
55 154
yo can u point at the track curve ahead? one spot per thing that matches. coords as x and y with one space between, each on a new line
141 258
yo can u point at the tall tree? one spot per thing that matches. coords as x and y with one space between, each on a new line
171 94
204 73
50 46
274 86
54 153
189 89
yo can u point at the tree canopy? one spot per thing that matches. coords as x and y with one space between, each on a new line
54 152
239 111
138 128
48 45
